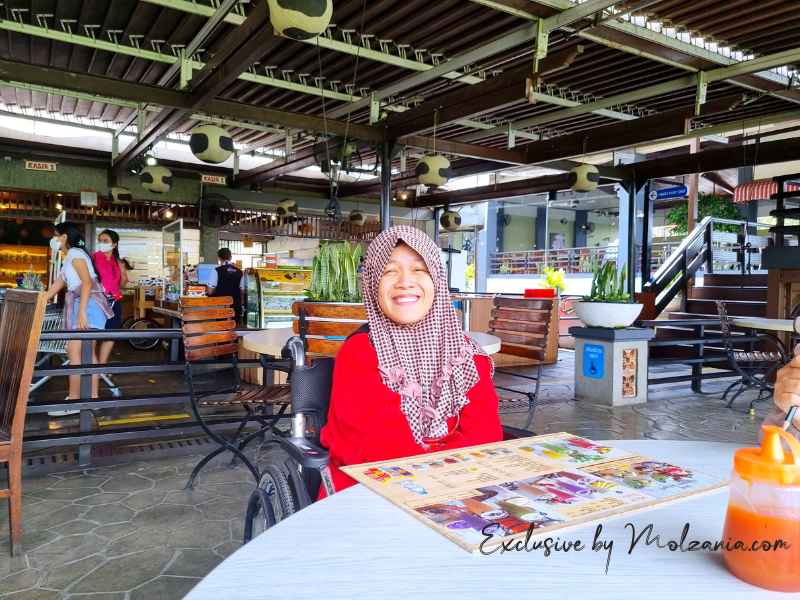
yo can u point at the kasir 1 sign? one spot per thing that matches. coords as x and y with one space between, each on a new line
214 179
35 165
679 191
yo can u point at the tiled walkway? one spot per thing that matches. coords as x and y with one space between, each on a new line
130 531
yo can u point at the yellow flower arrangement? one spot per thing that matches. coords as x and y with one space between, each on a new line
554 278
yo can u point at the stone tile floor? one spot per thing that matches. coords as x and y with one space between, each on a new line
129 531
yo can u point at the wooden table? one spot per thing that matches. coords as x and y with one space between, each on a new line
356 544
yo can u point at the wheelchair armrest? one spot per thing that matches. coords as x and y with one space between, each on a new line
305 452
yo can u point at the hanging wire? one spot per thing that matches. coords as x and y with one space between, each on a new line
435 125
334 184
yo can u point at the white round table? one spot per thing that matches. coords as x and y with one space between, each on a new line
267 341
787 325
356 544
272 341
490 343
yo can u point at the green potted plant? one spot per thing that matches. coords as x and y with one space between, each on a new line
333 308
334 274
608 304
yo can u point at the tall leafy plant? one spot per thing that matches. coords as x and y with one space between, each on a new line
708 205
608 285
334 276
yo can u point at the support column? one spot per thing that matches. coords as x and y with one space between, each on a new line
693 185
386 185
540 235
499 221
647 234
630 201
209 244
581 222
482 252
437 214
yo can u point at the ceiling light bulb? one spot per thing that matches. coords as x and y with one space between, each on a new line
168 214
59 206
150 160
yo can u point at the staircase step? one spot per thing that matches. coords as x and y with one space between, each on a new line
729 292
786 213
734 279
738 308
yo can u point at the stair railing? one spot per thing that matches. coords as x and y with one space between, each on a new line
695 251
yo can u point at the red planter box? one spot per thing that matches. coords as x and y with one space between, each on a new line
540 293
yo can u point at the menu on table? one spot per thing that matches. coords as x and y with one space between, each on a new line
544 483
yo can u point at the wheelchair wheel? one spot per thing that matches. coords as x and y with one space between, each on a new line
140 325
271 502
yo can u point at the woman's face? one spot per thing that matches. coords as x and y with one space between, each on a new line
61 240
405 290
105 243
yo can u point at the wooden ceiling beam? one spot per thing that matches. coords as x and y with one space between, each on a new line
240 48
469 101
522 187
662 126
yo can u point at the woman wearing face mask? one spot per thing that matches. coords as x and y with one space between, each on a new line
411 382
113 273
85 304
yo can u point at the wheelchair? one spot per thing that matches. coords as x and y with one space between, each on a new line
297 464
292 476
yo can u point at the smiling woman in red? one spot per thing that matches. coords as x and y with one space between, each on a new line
411 382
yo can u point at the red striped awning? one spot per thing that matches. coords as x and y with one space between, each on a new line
759 190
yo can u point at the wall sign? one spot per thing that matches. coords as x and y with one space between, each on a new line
214 179
35 165
679 191
88 198
593 361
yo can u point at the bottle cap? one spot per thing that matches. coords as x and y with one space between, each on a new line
771 462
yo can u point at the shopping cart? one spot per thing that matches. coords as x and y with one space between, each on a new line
54 321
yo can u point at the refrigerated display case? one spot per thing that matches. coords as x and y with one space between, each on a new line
271 293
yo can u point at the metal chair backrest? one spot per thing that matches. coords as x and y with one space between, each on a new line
20 328
53 321
724 320
209 328
523 325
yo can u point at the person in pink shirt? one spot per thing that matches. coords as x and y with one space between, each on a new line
113 273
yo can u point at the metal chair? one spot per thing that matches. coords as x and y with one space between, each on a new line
755 368
524 326
20 326
209 336
54 321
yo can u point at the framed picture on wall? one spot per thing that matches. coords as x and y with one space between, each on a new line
558 241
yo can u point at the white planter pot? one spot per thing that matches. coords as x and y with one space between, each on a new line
607 314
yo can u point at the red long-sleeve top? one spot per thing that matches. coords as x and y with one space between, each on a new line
365 422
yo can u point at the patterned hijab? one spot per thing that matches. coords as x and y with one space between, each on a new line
429 363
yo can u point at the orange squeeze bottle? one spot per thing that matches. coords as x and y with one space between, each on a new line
762 527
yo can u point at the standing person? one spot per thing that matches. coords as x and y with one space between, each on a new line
85 305
227 280
410 382
113 273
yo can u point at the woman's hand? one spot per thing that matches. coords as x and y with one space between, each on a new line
787 388
83 323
